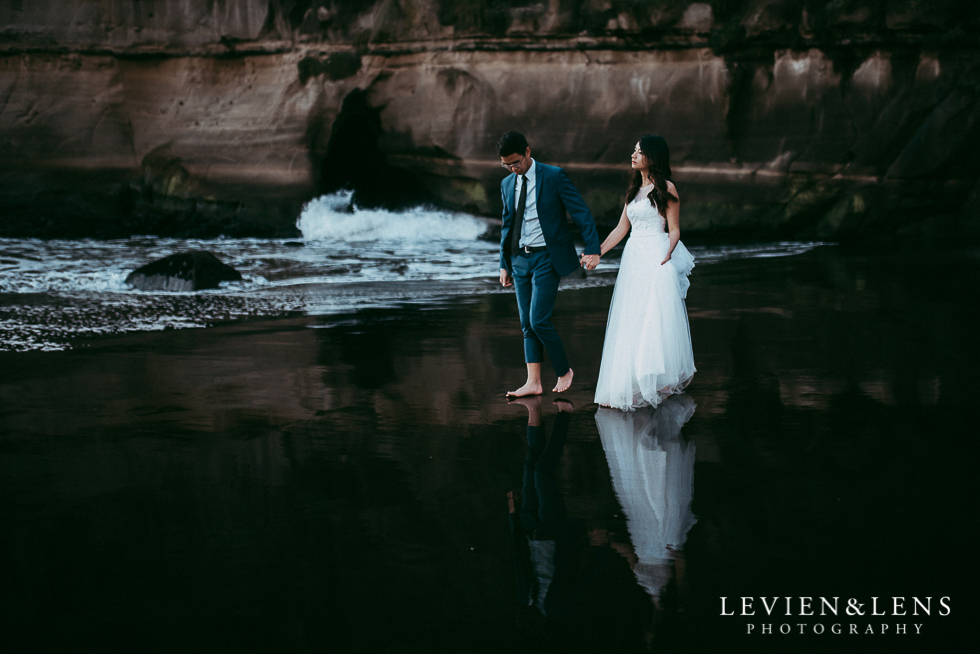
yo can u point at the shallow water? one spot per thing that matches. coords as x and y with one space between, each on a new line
54 292
340 483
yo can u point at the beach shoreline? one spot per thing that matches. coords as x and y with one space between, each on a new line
324 481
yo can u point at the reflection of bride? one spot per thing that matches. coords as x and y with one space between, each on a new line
652 470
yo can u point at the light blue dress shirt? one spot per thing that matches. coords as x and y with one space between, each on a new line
531 234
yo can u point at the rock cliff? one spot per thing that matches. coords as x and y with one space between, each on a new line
786 118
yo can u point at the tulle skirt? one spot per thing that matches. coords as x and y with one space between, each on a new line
647 353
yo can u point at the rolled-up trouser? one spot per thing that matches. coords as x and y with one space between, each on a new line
536 282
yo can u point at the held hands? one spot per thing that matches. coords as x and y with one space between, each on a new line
505 279
589 261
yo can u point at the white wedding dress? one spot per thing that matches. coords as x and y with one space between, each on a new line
647 354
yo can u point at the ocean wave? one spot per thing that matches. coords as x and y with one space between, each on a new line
333 218
52 292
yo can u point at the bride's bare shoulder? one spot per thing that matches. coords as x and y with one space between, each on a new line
672 189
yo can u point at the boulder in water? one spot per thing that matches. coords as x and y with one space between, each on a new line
185 271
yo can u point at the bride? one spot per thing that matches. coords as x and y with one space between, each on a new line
647 352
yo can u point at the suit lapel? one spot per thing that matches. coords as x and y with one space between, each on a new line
509 196
537 186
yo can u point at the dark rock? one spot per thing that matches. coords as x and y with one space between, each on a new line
186 271
492 234
337 66
342 65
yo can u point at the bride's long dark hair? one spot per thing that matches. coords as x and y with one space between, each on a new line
654 148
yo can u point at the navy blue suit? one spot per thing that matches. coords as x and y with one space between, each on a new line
536 275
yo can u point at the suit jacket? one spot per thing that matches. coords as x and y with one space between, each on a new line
556 194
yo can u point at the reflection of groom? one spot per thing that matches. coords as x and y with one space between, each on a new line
536 250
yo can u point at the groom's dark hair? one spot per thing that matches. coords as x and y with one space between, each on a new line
511 143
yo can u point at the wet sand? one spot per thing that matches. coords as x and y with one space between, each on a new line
304 485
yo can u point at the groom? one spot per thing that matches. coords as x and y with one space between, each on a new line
536 251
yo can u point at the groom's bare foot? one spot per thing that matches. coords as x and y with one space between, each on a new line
527 389
564 382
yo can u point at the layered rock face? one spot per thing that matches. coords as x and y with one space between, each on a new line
785 118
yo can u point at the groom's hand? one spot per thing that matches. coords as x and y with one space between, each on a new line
504 278
590 261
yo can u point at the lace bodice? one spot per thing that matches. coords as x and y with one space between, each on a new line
644 217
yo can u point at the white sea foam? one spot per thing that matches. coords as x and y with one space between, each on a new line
52 292
332 218
714 254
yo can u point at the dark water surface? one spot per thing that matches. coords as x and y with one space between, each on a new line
274 486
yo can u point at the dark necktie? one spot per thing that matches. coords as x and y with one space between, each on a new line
515 234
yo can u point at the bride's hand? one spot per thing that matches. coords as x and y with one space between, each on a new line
666 259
